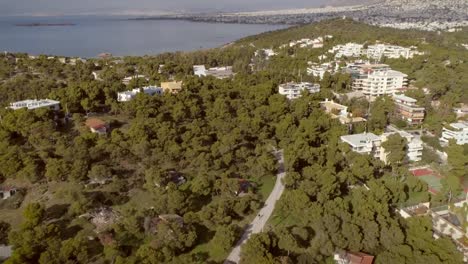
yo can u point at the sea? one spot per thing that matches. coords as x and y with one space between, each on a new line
120 36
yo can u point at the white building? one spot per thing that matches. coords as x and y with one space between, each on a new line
364 143
199 70
128 79
311 43
129 95
266 52
217 72
456 131
414 147
319 70
347 50
378 51
35 104
293 90
369 143
339 112
376 79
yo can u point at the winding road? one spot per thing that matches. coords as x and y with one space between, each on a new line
262 217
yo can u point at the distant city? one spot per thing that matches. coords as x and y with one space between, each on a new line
435 15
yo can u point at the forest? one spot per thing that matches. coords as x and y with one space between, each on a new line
179 176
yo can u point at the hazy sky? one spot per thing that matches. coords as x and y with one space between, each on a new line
18 7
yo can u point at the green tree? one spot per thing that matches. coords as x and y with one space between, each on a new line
395 148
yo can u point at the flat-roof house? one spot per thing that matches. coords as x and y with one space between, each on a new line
414 146
171 87
340 111
128 79
5 252
364 143
407 109
346 257
217 72
461 111
293 90
97 126
7 192
455 131
199 70
129 95
369 143
35 104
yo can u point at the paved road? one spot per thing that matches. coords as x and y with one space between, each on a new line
262 217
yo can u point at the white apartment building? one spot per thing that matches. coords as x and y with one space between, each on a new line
293 90
376 79
456 131
369 143
347 50
35 104
378 51
129 95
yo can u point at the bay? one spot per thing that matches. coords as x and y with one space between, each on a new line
90 36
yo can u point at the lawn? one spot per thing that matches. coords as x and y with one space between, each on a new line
266 185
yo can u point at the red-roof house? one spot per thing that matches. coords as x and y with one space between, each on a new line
97 126
346 257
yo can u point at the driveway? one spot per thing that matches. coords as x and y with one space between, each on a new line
257 225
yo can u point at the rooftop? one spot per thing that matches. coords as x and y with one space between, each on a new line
461 125
359 139
404 98
33 104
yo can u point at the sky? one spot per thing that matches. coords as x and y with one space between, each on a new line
72 7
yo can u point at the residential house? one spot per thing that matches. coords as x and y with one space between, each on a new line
347 50
128 79
364 143
97 126
103 218
7 192
376 79
293 90
129 95
461 111
378 51
306 42
414 146
265 52
172 87
36 104
199 70
371 144
407 109
340 111
447 221
457 131
97 75
346 257
5 252
319 70
220 72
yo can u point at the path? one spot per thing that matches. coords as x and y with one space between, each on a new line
262 217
